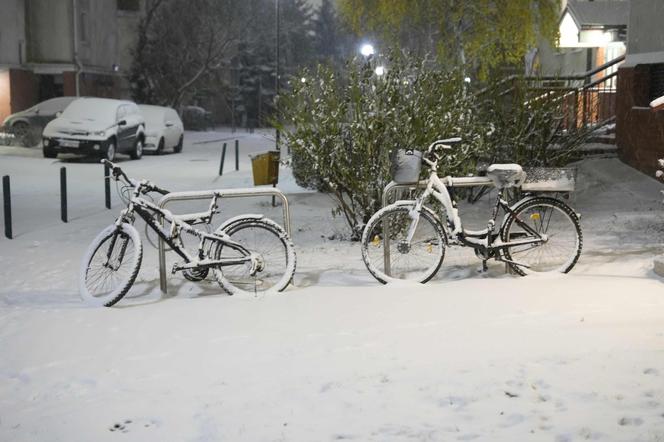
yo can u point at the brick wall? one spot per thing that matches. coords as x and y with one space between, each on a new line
24 89
639 131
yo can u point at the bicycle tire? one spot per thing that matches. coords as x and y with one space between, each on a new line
432 237
276 249
556 220
120 284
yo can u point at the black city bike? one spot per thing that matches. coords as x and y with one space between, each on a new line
246 254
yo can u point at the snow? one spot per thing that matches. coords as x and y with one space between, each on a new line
468 356
658 103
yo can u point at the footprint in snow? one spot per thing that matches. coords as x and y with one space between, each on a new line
651 371
588 434
123 426
630 421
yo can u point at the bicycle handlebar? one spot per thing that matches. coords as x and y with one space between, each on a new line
119 173
444 144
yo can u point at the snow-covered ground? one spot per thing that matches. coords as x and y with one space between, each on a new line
467 356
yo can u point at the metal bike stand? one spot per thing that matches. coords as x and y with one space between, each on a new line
207 194
392 187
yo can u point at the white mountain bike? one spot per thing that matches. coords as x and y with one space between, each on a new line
407 240
247 253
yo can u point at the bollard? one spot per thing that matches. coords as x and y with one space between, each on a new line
237 155
63 194
107 185
6 196
221 163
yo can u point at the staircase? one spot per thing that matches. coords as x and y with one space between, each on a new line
589 104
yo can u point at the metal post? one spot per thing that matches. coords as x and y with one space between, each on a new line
237 155
220 193
163 284
7 199
63 194
276 74
107 185
221 163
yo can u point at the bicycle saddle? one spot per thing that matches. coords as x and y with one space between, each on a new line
506 175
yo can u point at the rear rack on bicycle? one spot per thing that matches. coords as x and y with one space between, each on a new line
220 193
549 179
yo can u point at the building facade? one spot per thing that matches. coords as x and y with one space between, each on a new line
639 130
592 33
51 48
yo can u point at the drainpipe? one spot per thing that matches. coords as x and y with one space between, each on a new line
79 66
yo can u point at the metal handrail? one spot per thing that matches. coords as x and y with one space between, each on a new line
219 193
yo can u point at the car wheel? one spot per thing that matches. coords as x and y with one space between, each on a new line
160 146
178 147
137 153
110 151
21 131
49 153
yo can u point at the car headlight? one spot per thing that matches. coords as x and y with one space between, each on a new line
100 133
46 141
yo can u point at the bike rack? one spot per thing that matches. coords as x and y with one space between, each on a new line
392 187
207 194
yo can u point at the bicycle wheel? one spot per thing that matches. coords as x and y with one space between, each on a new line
417 261
557 223
110 265
271 242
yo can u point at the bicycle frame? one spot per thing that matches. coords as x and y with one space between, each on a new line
147 210
484 241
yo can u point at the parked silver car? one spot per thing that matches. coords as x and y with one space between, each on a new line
163 128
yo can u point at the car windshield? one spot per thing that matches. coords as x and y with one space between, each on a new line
92 110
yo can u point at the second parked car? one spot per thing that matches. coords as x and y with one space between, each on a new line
163 128
27 125
96 126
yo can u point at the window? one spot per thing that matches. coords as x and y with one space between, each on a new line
84 6
122 112
129 5
656 81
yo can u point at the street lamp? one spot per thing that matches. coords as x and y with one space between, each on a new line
367 50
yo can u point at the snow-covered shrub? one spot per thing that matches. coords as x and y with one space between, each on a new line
341 130
529 126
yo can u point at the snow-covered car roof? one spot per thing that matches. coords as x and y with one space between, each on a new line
93 109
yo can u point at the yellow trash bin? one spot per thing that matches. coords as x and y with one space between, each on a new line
265 168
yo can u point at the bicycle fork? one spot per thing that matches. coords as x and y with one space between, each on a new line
123 248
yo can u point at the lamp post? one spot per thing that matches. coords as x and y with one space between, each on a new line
277 137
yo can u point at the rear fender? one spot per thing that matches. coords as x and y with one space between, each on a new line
526 200
229 222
